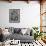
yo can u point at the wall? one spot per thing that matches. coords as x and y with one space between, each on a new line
29 14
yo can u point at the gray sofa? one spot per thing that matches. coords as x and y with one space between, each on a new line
17 35
22 38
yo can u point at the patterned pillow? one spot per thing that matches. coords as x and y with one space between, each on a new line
11 30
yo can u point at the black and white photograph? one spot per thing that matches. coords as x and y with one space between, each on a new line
14 15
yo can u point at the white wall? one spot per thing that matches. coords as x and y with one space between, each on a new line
29 14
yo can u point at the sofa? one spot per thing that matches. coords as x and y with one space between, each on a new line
22 34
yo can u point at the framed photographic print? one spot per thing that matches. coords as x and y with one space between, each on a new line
14 15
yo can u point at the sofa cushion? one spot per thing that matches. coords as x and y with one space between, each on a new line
17 30
23 31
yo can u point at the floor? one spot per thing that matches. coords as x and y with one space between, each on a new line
35 43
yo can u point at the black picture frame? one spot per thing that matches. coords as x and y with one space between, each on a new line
14 15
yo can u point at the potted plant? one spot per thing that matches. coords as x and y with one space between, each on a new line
37 33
